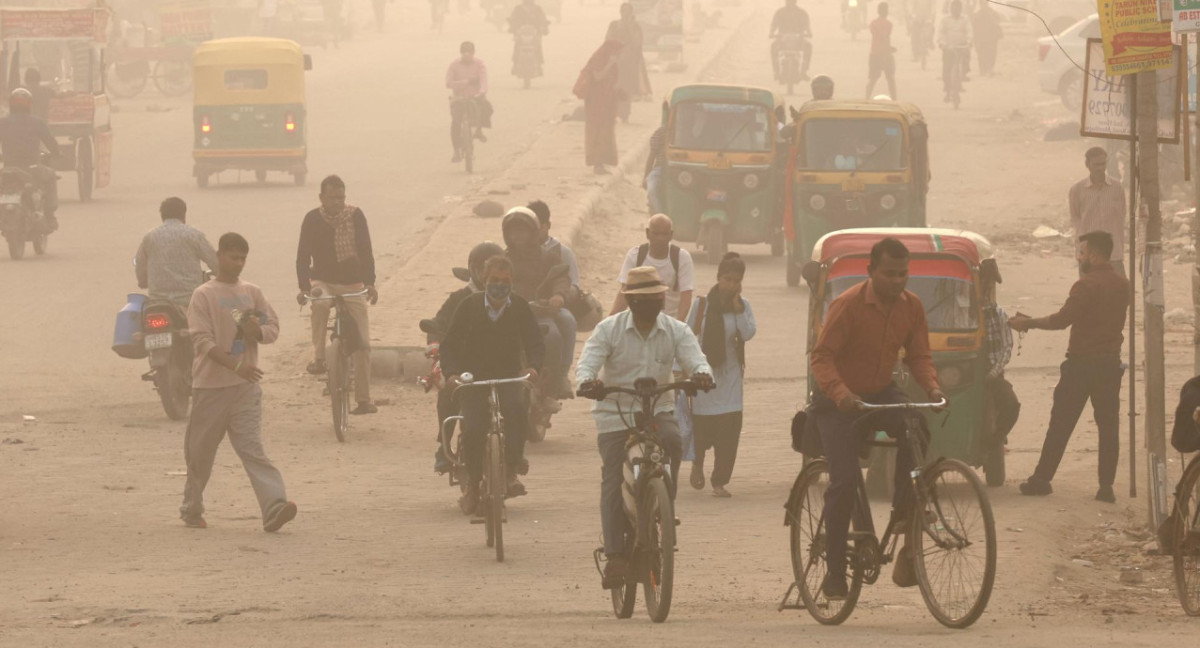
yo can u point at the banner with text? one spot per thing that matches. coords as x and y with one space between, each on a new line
1106 107
1135 39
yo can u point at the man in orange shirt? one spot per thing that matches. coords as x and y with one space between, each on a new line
853 362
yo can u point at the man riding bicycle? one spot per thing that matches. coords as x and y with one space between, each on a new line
490 335
467 79
852 362
641 342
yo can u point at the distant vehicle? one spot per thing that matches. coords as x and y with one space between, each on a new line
1057 73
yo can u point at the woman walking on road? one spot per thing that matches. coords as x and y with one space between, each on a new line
724 322
597 86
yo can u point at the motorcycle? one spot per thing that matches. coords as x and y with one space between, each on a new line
791 50
22 218
526 45
169 346
854 17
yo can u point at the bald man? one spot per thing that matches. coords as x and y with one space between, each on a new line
673 263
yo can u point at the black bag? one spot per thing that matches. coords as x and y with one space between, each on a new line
1185 435
806 439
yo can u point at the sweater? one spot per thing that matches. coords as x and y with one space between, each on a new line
316 257
492 350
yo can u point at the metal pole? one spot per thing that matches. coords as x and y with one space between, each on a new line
1195 230
1132 172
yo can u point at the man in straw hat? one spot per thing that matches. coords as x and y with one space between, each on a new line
641 342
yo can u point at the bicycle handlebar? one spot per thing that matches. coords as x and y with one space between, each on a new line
467 380
685 385
310 298
868 407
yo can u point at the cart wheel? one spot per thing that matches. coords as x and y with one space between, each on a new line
298 177
173 78
127 80
202 180
84 166
260 175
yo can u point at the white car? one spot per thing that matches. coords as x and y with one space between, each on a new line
1057 73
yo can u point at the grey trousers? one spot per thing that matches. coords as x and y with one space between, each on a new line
612 452
238 411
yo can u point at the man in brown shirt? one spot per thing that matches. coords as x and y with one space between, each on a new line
852 362
1095 311
1097 203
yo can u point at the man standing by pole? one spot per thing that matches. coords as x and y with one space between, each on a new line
1097 203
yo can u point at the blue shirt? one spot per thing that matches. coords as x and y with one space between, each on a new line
727 396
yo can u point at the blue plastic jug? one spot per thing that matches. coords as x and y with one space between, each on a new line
127 334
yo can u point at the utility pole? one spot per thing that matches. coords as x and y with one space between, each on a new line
1195 227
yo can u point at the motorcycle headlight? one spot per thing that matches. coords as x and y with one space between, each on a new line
685 179
817 202
888 202
750 181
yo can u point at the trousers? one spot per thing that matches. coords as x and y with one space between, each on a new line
612 453
514 409
721 432
1082 378
568 328
357 309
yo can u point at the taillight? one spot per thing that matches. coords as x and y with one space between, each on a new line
289 123
205 125
157 321
1043 50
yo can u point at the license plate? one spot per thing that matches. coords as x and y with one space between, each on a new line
720 164
716 195
156 341
854 184
10 199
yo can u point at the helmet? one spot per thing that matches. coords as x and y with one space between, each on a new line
479 256
518 217
20 98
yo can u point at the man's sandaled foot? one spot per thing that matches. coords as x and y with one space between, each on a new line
696 479
317 367
195 522
719 491
616 569
282 514
364 407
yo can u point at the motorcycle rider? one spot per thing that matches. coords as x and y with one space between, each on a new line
791 20
467 79
528 12
168 261
22 136
564 319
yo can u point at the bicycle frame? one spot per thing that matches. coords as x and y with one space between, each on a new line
495 429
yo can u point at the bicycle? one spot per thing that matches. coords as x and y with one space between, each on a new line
339 360
466 129
1186 538
950 516
494 488
958 61
646 495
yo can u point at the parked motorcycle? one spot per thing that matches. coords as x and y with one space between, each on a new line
22 218
791 51
526 42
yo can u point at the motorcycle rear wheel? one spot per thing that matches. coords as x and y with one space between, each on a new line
16 246
39 244
174 390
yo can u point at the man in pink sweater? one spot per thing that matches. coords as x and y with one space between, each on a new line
228 319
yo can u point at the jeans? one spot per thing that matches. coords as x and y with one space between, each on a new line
613 454
565 322
356 308
841 446
514 409
1082 378
654 191
551 364
721 432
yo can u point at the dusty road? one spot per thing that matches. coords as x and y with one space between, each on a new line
379 555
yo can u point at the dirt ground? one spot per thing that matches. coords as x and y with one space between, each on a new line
379 554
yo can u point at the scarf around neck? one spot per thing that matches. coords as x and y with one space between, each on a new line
343 231
712 335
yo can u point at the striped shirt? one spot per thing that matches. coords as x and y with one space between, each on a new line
168 260
1099 207
999 340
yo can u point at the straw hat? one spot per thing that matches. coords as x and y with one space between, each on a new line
644 280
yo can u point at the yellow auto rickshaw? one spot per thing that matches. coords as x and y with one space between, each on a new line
249 108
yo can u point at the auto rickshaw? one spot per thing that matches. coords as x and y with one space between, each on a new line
721 184
952 272
853 164
249 108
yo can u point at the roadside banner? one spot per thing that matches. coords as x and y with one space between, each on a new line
1106 106
1185 16
1135 39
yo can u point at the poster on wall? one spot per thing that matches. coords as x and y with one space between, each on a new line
1135 37
1106 99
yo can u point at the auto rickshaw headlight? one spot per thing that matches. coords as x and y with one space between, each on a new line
950 377
750 181
817 202
685 179
888 202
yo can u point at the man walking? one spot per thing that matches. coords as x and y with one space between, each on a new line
954 38
227 320
168 261
1097 203
335 258
1095 311
673 264
882 60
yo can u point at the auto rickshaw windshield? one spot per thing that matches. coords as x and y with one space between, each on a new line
852 145
944 287
734 127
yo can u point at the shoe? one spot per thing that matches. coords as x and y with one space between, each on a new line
515 487
1106 494
283 514
365 407
317 367
195 522
616 569
719 491
904 575
441 463
457 158
1036 486
697 477
469 500
521 467
834 587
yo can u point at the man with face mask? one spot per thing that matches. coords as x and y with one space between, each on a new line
489 336
640 342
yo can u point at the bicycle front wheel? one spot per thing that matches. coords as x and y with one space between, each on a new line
658 514
953 544
1187 540
337 382
808 541
497 483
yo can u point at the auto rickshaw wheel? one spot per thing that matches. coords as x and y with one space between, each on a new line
84 167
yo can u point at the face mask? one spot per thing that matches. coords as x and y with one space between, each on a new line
646 309
499 292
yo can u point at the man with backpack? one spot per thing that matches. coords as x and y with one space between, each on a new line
673 263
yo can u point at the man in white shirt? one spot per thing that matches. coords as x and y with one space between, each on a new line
954 38
673 263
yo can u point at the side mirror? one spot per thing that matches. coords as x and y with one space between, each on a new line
307 62
429 326
811 272
462 274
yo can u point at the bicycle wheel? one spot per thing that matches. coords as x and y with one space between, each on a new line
953 543
658 514
336 380
1187 540
173 78
497 483
625 597
807 524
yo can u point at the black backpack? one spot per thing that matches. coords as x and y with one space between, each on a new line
644 251
1185 435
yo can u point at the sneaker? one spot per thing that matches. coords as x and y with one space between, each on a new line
317 367
195 522
1036 486
520 467
834 587
515 487
616 569
904 575
365 407
1106 494
697 476
283 514
719 491
469 500
441 464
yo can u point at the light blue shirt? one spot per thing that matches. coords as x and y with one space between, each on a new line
727 396
618 354
494 315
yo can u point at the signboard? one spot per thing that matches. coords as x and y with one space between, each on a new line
1106 107
1135 40
186 23
662 25
1185 16
53 24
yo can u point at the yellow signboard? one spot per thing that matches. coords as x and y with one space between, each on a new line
1135 40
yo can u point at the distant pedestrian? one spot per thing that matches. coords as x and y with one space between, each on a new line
986 23
1095 311
228 319
1097 203
632 78
656 163
724 322
597 87
882 60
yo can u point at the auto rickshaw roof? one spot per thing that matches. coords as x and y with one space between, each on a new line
910 111
249 51
722 92
969 246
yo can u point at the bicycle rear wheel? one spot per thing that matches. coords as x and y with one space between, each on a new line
1187 540
658 514
807 523
497 483
953 543
337 383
